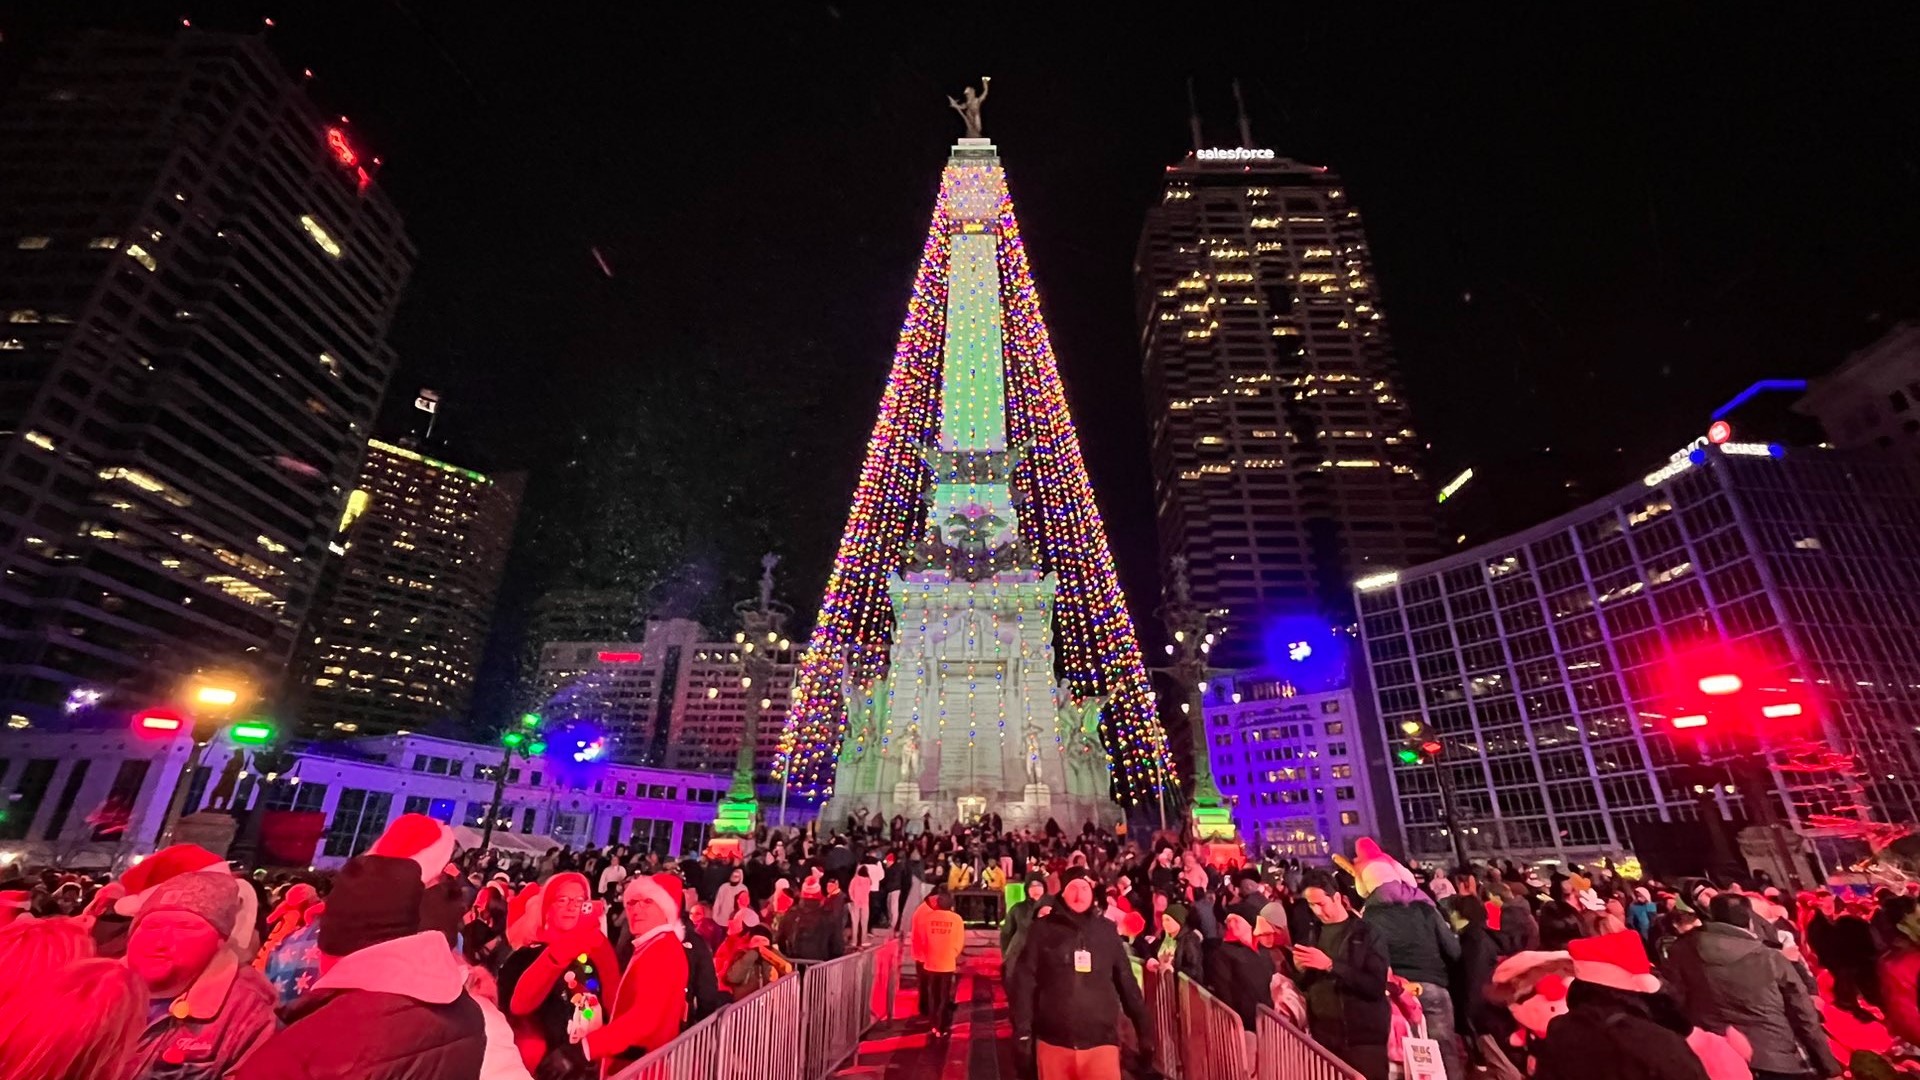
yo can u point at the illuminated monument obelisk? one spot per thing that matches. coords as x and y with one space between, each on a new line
973 653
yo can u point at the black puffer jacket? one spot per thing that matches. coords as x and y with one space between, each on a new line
1241 977
1062 1006
394 1011
1613 1033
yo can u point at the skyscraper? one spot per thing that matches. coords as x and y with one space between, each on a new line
196 278
406 603
1872 400
1285 459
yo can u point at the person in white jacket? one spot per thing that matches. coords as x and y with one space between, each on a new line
728 898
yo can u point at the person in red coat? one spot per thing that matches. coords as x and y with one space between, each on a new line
557 987
653 990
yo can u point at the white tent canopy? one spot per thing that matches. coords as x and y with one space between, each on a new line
469 838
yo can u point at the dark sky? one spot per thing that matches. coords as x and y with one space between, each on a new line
1589 231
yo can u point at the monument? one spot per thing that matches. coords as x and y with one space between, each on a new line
973 653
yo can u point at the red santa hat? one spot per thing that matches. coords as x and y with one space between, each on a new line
420 838
1373 867
162 866
1618 960
810 889
666 890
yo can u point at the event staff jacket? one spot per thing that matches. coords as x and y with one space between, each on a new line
1073 978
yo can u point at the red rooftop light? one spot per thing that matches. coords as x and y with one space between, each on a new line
342 151
158 720
621 657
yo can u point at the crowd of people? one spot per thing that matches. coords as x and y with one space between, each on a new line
567 967
1496 970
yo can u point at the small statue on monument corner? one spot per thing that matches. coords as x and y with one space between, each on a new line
969 108
910 755
1033 752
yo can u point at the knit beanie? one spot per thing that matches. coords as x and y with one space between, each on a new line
375 898
1178 913
210 897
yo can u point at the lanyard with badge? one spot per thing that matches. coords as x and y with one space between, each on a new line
1083 959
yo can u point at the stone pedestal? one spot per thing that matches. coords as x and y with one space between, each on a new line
1037 795
906 793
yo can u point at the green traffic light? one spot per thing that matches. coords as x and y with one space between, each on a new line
530 720
537 748
251 732
513 738
1408 757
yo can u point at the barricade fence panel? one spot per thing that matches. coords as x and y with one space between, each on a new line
1284 1052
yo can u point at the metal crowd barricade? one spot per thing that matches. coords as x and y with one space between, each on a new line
835 1010
1214 1042
1284 1052
1163 1004
797 1028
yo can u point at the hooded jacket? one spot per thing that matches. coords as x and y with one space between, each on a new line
223 1017
405 1006
1613 1033
1060 1005
1722 975
1420 944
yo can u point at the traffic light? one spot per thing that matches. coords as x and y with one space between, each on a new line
530 720
512 738
158 721
1425 750
1407 755
251 732
1430 748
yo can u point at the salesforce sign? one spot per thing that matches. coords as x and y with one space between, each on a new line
1235 153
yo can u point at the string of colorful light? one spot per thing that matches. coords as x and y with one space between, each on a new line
1096 645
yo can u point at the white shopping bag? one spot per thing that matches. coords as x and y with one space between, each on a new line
1421 1059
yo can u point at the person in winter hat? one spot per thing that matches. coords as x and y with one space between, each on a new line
1073 980
736 941
391 1001
1617 1024
652 998
731 895
756 965
560 986
118 903
208 1009
1421 946
428 843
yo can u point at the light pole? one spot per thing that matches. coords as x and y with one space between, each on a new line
524 741
1194 632
214 699
763 642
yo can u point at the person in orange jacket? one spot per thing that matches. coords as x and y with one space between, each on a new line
945 934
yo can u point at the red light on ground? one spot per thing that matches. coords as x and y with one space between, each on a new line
342 151
1720 685
621 657
1696 720
1432 749
1775 712
1719 431
158 720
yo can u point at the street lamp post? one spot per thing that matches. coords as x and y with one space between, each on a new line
214 700
762 640
523 741
1194 633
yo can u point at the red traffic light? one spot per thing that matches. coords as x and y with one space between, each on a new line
1693 721
1430 748
158 721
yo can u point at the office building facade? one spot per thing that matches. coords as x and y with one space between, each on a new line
196 278
1294 765
673 698
96 797
408 598
1542 662
1285 459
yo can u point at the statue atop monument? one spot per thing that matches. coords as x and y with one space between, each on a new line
969 107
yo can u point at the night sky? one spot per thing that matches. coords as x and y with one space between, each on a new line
1588 232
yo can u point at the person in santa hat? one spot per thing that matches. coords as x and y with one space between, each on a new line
558 986
115 906
1618 1024
208 1009
1528 990
652 998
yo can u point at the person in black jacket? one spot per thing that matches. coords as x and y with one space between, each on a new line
1478 956
1239 974
1069 986
1343 974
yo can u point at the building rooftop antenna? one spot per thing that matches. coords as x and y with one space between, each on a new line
1240 107
1193 116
